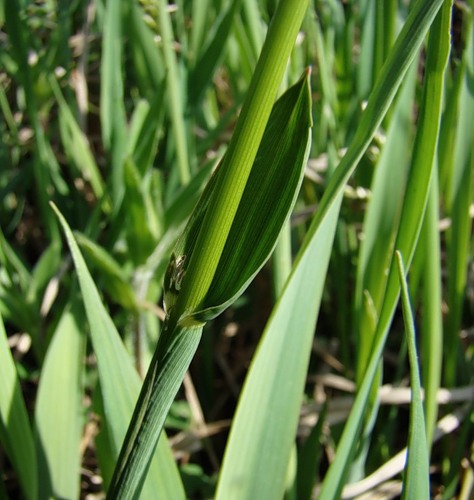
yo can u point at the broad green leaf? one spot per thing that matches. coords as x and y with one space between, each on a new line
119 380
15 431
179 341
59 412
264 426
266 202
416 482
240 157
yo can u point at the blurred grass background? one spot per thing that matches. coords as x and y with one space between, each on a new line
118 112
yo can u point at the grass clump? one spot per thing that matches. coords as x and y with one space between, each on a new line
223 320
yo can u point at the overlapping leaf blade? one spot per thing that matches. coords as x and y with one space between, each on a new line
265 424
266 202
119 380
416 481
411 218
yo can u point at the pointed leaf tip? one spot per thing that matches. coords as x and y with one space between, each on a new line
266 203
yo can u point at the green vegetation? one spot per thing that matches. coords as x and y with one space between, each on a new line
236 240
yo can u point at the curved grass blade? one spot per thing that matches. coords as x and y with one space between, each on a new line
119 380
394 70
174 95
416 481
76 144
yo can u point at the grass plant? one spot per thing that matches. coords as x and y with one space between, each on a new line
211 213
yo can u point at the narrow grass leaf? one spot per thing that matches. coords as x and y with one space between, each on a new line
252 22
416 481
200 13
119 380
309 457
15 431
75 143
175 99
171 360
144 51
411 217
432 321
459 199
201 75
59 413
394 70
381 216
264 426
112 109
111 92
144 131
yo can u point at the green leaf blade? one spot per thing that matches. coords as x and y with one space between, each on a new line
119 380
416 482
59 412
241 154
15 431
266 203
265 423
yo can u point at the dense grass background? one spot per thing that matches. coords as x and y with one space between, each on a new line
118 112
